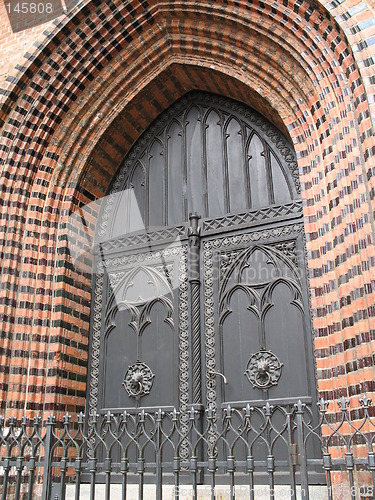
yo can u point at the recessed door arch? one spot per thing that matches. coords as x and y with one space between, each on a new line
181 303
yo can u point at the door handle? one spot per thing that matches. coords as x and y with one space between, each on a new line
220 374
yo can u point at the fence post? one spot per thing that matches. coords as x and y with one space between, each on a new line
292 456
47 471
302 450
158 457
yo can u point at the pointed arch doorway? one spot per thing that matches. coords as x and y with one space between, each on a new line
201 294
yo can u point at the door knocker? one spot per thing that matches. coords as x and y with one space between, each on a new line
138 380
263 369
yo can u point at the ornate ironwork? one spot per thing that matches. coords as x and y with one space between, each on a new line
249 447
138 380
263 369
143 239
115 264
253 217
95 342
209 247
209 330
183 348
288 248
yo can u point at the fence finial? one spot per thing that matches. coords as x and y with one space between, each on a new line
343 403
323 405
51 419
192 413
299 406
268 409
175 414
12 421
228 411
365 402
247 410
37 420
66 418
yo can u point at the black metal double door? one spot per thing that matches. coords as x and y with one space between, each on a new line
209 309
214 317
217 317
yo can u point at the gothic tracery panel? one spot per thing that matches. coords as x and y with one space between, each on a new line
210 157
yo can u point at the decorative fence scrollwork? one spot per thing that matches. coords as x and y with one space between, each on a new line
238 447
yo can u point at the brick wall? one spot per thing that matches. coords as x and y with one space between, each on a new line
14 44
96 79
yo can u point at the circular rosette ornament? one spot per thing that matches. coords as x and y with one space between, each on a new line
138 380
263 369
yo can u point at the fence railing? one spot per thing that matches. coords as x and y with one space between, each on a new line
237 446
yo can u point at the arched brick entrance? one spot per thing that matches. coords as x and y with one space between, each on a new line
73 113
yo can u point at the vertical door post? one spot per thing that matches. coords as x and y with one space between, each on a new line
194 280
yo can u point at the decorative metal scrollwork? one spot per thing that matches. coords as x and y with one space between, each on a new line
263 369
138 380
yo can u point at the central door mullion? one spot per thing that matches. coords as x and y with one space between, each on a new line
195 308
195 330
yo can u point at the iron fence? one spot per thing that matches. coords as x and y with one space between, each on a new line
243 445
